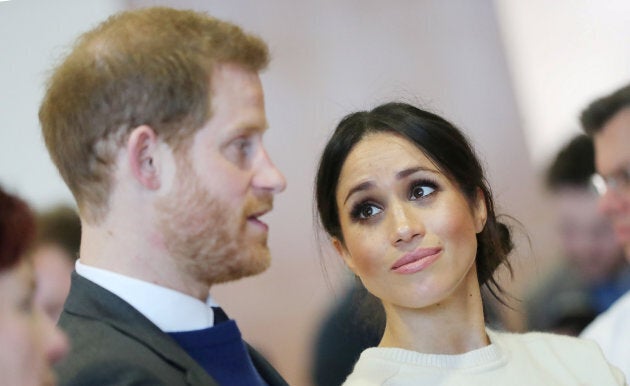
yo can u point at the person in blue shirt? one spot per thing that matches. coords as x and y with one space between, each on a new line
593 272
607 121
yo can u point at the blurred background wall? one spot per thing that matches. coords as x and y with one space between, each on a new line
513 74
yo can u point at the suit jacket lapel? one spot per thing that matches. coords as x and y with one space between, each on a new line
265 369
92 301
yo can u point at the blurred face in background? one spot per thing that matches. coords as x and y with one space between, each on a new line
53 267
30 343
612 161
587 236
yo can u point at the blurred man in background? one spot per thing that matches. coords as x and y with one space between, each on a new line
607 121
592 272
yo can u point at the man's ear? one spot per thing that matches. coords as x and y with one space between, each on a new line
343 252
142 151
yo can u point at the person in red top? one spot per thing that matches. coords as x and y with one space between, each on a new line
30 343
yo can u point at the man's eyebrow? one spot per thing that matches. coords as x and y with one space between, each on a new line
252 129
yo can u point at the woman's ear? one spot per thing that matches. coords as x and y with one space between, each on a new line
343 252
480 211
142 149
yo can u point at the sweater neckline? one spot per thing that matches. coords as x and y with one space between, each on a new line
482 356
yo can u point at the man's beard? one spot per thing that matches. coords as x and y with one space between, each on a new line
208 241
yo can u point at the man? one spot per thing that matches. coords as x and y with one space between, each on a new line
593 272
155 121
607 120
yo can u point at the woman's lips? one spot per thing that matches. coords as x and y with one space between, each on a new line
416 261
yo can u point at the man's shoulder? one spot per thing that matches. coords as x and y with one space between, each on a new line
92 336
612 323
114 344
104 355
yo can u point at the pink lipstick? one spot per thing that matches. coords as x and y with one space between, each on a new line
416 261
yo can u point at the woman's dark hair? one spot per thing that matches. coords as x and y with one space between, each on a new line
441 142
17 229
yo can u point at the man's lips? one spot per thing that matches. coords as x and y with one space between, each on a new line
254 217
417 260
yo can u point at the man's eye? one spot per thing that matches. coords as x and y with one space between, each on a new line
624 177
240 150
243 144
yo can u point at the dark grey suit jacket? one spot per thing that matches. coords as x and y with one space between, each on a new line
114 344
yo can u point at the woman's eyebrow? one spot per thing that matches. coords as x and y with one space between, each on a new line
362 186
399 176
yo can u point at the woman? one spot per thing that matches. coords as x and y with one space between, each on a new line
406 204
29 341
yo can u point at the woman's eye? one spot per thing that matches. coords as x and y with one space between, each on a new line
420 190
365 211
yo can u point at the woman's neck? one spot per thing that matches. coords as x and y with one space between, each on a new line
454 326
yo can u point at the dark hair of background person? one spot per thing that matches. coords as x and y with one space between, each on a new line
441 142
573 166
17 229
354 323
60 226
97 95
595 116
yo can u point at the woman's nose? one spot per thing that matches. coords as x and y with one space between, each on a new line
406 223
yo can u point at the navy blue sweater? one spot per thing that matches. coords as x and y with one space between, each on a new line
221 351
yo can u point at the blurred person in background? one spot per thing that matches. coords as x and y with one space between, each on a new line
29 341
592 272
54 252
354 323
607 121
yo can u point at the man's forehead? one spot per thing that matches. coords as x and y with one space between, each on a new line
612 143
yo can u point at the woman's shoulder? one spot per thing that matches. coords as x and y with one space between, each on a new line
580 357
373 368
541 340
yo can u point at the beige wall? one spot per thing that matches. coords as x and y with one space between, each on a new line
330 58
562 54
33 35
